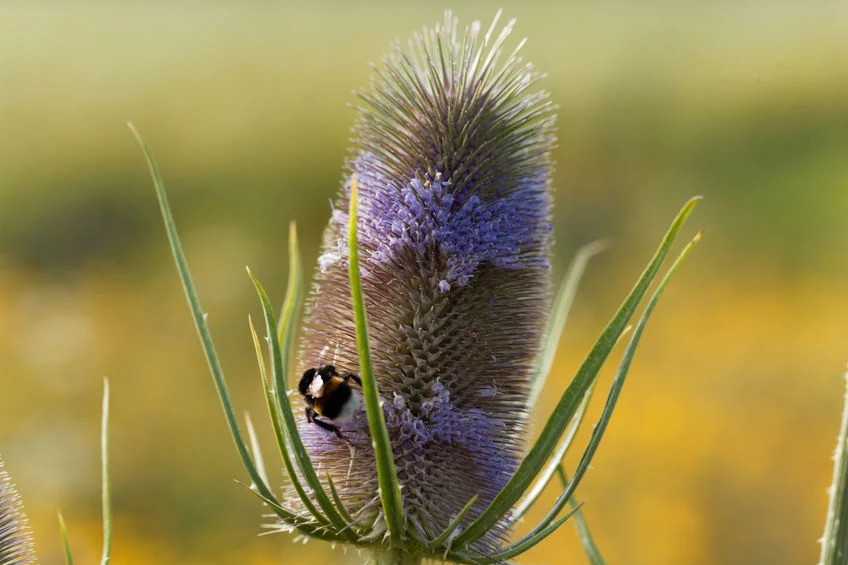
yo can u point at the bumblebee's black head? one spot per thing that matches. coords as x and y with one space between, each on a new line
306 380
327 372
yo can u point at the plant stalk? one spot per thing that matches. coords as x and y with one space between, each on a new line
395 556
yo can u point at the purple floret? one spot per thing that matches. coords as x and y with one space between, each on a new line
505 228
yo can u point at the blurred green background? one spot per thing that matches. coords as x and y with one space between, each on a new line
720 449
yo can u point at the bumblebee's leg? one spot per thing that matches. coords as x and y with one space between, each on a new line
356 379
310 414
328 427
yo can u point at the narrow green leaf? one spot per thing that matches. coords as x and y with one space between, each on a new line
834 542
66 544
386 472
454 556
338 500
276 395
302 524
529 542
199 317
289 424
573 395
285 337
275 415
254 447
555 462
562 307
289 312
612 398
586 540
105 491
446 534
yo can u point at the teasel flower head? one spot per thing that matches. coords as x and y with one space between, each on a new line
452 163
16 545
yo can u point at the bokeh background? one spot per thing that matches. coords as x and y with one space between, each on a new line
720 450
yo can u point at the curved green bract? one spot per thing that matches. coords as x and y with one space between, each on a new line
451 528
288 315
542 530
200 318
289 425
586 540
277 426
571 398
66 543
262 488
386 472
562 307
548 473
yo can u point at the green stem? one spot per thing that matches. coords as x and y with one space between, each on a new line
390 556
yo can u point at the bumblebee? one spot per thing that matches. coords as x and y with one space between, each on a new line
330 396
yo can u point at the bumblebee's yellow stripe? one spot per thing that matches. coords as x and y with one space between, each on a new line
329 388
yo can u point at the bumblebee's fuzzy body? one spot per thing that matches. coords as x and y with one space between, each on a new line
330 396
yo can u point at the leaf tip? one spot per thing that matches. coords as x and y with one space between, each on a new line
599 246
136 134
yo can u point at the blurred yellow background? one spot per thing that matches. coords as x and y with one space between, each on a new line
720 449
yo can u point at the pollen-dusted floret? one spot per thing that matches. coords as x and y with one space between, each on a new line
453 170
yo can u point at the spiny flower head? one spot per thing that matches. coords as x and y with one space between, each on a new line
452 163
16 545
